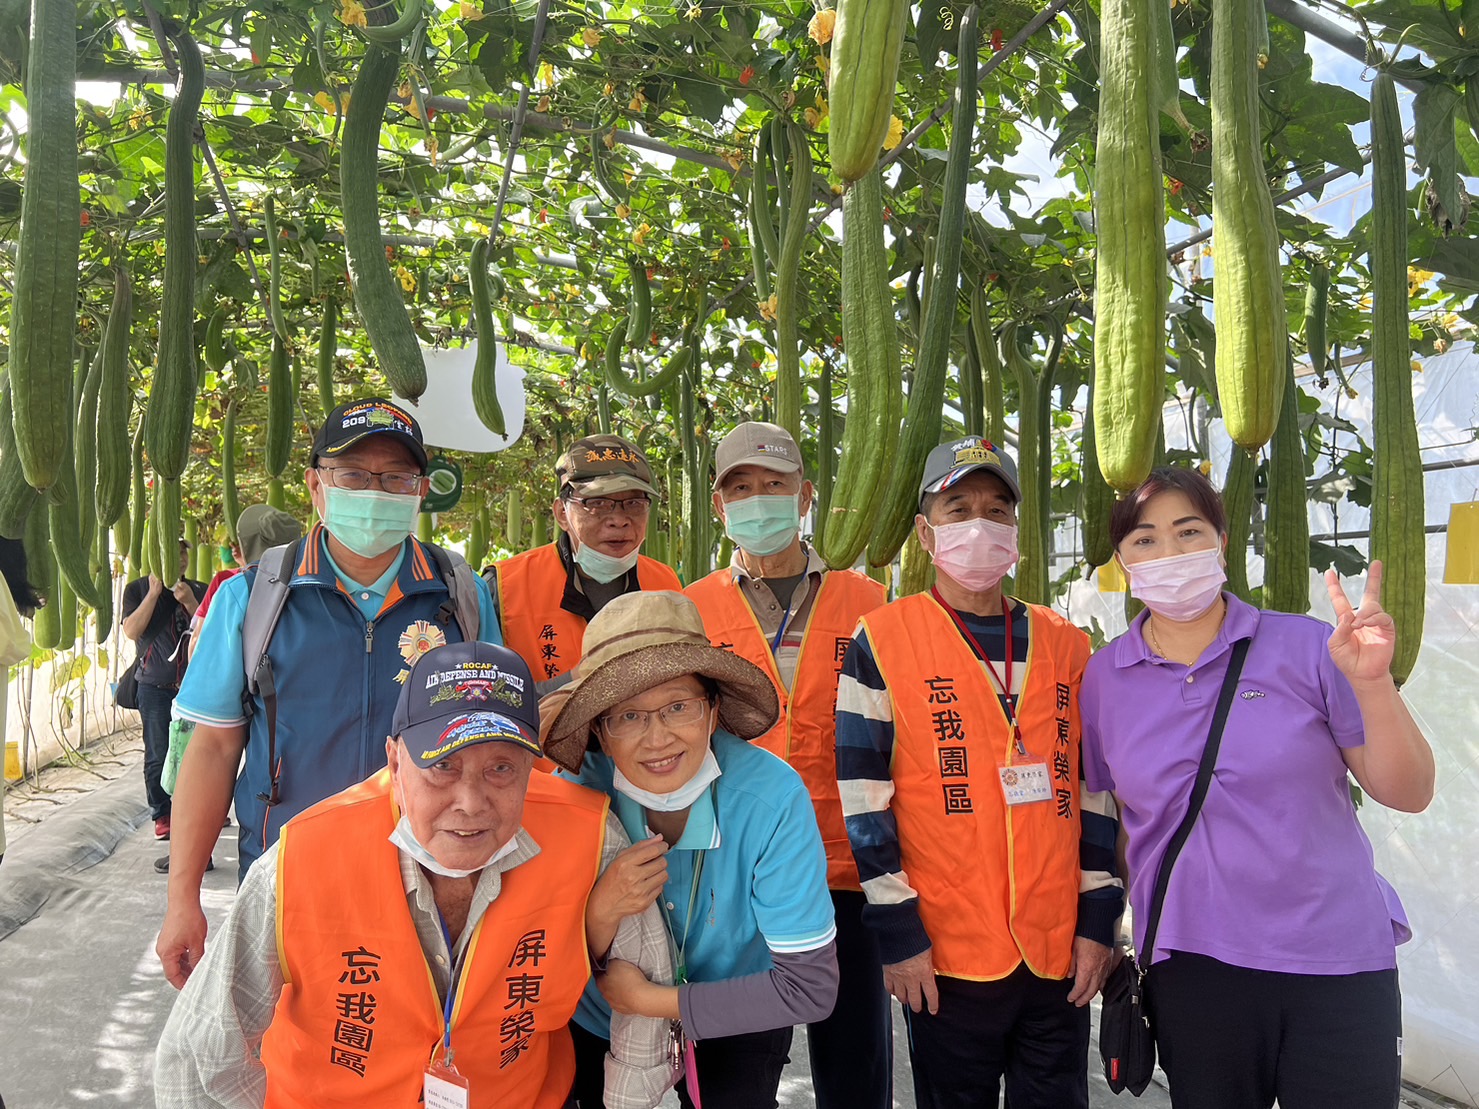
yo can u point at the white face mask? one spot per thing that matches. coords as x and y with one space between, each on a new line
975 553
682 797
602 567
406 840
367 521
1180 587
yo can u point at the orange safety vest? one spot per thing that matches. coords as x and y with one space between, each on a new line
359 1020
806 733
530 587
998 885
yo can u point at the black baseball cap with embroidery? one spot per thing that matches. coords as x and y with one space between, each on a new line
949 462
603 465
351 422
466 693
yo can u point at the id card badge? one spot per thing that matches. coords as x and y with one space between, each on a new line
1026 782
443 1088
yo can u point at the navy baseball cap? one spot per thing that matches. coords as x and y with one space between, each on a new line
349 423
466 693
949 462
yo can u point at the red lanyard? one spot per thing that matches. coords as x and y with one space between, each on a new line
1007 700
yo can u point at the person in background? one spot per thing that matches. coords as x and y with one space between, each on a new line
365 600
156 619
989 872
258 528
724 839
17 600
547 596
1274 971
453 867
778 606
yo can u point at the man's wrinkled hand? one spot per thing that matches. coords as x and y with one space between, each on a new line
1089 969
913 982
181 943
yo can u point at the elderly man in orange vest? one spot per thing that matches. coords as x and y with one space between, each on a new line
546 596
779 606
454 868
990 874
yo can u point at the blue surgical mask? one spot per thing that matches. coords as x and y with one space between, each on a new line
406 840
368 521
601 567
763 525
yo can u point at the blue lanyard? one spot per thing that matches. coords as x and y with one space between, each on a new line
785 623
457 962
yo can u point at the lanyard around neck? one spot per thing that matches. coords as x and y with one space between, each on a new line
1004 681
457 964
679 950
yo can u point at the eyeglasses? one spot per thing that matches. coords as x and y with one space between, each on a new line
681 716
606 506
392 481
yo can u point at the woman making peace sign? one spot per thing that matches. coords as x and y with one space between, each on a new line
1273 973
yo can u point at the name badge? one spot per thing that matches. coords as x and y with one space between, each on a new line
1026 782
443 1088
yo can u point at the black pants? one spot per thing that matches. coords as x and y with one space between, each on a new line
1233 1038
734 1072
852 1051
154 707
740 1072
1021 1028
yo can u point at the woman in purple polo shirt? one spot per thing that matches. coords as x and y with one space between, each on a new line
1274 973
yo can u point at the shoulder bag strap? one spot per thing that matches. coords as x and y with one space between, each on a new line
1198 795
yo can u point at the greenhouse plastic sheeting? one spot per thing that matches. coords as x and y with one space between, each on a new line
1428 857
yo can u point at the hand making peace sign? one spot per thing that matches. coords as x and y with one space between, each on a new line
1365 638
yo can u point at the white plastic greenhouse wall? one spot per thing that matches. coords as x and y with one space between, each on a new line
1430 858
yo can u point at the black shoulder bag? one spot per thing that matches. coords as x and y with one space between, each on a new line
1126 1040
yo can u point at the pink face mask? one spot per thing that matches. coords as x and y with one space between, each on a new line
975 553
1180 587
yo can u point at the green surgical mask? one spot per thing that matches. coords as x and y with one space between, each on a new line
600 566
763 525
368 521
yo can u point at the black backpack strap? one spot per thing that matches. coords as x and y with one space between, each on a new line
1198 795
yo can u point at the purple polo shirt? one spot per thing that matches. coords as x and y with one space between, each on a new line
1278 873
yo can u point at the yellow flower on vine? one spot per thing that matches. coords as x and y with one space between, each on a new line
590 37
639 236
639 102
407 279
821 25
895 133
470 12
769 306
814 116
623 211
352 13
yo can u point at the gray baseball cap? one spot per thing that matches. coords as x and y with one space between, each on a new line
756 444
949 462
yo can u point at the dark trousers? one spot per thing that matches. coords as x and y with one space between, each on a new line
739 1072
734 1072
590 1067
1021 1028
1233 1038
154 706
852 1051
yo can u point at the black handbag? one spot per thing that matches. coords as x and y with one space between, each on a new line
1126 1039
126 691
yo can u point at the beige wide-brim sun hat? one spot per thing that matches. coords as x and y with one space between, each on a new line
636 643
